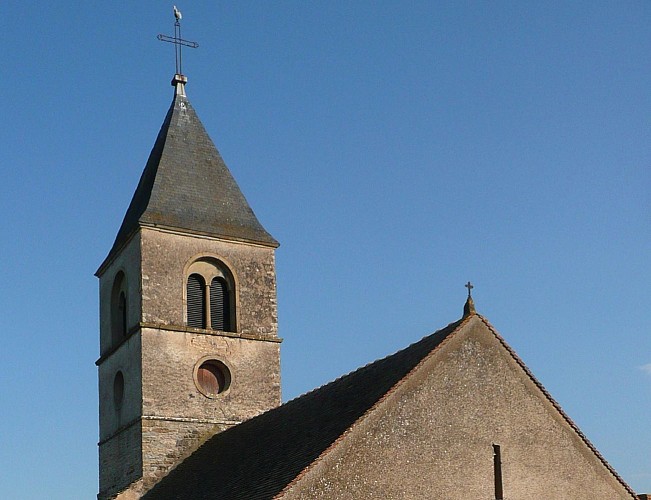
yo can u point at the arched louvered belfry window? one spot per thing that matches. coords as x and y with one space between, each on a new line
196 297
220 309
210 296
119 309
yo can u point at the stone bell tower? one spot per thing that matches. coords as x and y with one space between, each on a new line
188 327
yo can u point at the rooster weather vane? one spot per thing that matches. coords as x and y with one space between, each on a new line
178 41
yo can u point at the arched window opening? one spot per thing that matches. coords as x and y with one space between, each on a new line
196 301
119 309
210 296
122 312
220 310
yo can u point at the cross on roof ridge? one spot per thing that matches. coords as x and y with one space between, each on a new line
469 286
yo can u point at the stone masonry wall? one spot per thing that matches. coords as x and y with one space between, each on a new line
126 359
120 461
177 415
434 436
170 359
165 258
128 261
167 443
120 457
162 358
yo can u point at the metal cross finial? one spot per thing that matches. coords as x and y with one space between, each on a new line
469 287
178 41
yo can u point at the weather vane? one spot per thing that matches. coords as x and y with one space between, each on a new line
178 41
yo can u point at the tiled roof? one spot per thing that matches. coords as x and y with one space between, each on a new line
260 457
187 186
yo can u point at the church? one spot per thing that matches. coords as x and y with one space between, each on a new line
189 373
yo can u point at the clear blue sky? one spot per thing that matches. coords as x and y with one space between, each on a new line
395 149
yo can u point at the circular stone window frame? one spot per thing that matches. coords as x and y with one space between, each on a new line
223 367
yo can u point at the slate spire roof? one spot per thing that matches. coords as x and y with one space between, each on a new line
186 185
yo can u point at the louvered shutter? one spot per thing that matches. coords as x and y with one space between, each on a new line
220 310
210 378
196 301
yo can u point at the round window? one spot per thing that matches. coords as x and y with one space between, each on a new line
118 389
212 377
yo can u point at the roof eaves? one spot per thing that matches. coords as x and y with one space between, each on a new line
115 250
271 242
